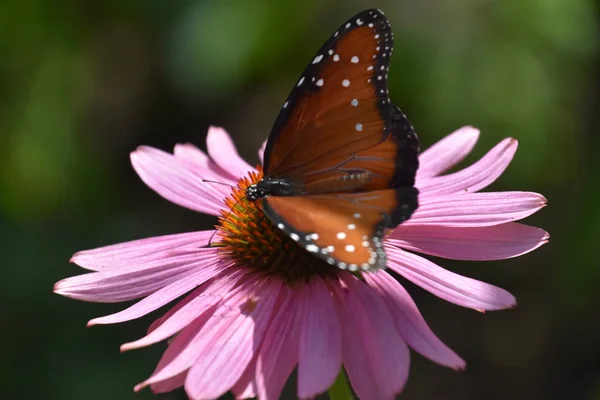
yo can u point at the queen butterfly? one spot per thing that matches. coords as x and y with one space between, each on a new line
340 162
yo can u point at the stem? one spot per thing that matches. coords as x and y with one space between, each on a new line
340 390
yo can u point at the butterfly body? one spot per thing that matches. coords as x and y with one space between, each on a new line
341 159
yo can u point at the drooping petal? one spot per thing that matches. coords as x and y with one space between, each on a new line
482 243
231 317
176 351
475 177
246 387
448 152
162 296
278 354
170 178
139 251
204 299
457 289
410 323
320 350
224 358
128 283
222 150
376 358
261 152
476 209
169 384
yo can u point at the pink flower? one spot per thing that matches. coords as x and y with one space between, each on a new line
244 327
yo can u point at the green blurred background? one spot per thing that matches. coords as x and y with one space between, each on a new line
83 83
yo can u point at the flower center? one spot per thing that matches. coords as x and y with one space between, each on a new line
248 237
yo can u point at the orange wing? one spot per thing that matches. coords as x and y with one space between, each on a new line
338 121
345 230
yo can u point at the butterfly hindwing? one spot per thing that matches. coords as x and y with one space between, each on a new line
344 229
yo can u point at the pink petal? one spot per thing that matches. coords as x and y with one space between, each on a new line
191 341
476 209
475 177
128 283
448 152
189 152
161 297
169 384
238 335
246 387
176 182
178 347
261 152
203 166
158 322
495 242
457 289
320 351
205 298
374 355
278 353
222 150
410 323
139 251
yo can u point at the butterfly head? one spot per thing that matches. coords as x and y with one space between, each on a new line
253 193
269 186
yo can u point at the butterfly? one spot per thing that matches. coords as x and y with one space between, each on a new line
340 161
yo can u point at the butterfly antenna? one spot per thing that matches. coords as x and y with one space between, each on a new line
218 183
224 219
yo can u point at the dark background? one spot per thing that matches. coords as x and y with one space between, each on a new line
83 83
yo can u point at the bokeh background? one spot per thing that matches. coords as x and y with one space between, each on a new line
83 83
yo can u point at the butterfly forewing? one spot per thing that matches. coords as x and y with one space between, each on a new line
343 229
339 106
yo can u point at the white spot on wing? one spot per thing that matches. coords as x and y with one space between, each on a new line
359 22
351 227
300 81
340 235
354 102
313 248
350 248
320 82
336 57
294 237
345 83
354 60
317 59
359 127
